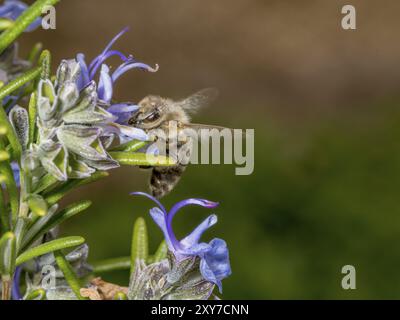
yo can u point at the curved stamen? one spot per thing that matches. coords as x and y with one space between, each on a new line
95 64
151 198
131 65
102 58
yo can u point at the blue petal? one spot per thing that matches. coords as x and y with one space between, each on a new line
209 275
105 90
84 78
123 112
126 133
153 150
122 108
34 25
16 292
215 265
198 249
194 237
16 172
159 218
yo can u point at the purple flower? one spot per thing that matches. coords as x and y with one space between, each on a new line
12 9
16 171
16 292
214 256
107 79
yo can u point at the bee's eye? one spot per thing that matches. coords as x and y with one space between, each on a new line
154 116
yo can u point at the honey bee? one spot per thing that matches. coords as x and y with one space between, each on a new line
157 113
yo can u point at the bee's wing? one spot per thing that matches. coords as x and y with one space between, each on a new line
198 100
197 127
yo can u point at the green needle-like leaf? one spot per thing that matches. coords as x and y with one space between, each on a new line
141 159
108 265
23 21
45 62
69 274
19 82
161 252
131 146
140 242
48 247
46 182
7 253
50 221
32 111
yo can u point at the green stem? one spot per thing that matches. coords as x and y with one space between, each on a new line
6 288
23 22
7 256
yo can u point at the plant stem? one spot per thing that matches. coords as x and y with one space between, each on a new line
6 288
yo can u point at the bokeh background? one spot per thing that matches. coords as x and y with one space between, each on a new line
325 104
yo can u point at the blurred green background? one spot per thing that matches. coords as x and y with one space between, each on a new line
325 104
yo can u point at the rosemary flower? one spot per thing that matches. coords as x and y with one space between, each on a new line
214 256
106 79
